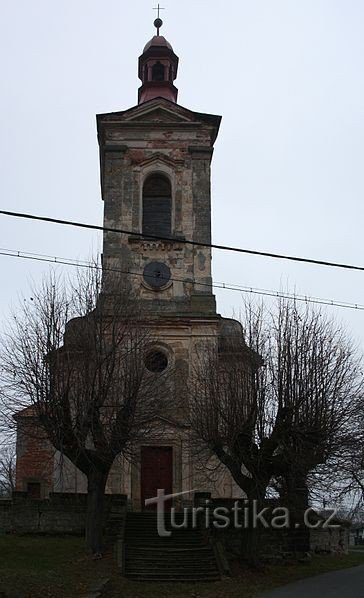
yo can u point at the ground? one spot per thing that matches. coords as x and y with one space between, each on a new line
56 567
336 584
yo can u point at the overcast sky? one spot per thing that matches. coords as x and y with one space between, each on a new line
288 169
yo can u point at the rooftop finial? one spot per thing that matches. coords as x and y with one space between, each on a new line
158 22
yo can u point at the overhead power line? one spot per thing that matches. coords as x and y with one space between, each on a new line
184 241
217 285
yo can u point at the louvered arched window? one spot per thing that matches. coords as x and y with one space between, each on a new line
158 71
157 206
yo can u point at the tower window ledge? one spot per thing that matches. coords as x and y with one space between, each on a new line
161 244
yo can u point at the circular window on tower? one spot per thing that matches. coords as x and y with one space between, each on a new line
157 275
156 361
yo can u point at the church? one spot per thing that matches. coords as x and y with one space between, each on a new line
155 170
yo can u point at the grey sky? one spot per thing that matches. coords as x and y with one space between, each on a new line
288 176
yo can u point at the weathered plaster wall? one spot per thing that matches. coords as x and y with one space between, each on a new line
157 138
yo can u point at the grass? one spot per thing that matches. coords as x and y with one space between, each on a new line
32 566
56 567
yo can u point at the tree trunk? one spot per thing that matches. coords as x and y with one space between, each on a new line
250 543
252 533
301 534
95 509
295 497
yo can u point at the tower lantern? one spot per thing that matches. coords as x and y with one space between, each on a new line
158 67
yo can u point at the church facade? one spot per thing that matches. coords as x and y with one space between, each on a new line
155 167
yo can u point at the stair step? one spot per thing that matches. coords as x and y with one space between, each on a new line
154 565
178 551
168 539
183 530
170 554
154 530
179 579
161 573
173 575
173 566
183 556
169 558
140 559
132 558
154 534
158 559
157 545
161 540
170 572
168 523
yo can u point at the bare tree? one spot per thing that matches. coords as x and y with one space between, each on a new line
77 356
340 482
7 470
280 409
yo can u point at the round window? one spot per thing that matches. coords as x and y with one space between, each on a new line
156 361
156 275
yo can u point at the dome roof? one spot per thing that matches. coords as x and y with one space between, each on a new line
158 41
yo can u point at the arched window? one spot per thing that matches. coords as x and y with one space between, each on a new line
158 72
157 206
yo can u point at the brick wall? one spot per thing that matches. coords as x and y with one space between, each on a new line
35 455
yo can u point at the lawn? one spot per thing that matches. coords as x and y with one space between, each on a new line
56 567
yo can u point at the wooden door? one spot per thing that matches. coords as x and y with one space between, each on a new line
156 473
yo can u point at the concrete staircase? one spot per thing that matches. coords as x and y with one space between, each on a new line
184 556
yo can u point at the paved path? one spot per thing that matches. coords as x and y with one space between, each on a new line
347 583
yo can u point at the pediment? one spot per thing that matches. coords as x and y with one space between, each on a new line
158 115
159 111
165 423
159 158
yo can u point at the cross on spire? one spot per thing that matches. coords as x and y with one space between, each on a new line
158 22
158 8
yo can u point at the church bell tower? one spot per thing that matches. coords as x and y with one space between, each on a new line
155 176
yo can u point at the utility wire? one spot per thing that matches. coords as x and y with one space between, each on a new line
184 241
217 285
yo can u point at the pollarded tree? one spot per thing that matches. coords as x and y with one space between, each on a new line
281 409
78 358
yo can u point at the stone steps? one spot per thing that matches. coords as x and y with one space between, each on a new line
183 556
